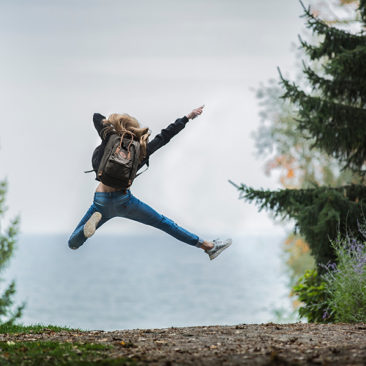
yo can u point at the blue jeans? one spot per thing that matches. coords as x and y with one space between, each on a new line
112 204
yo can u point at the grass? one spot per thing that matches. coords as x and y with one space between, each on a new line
38 353
58 354
37 328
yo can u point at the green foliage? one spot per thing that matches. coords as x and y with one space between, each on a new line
336 127
37 328
338 295
55 354
301 165
7 243
328 110
346 281
333 115
319 213
294 149
362 9
334 41
310 290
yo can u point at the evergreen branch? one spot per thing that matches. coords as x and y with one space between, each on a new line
331 46
337 128
3 189
280 73
322 28
16 314
350 64
6 299
7 244
304 8
320 213
362 10
344 91
232 183
335 40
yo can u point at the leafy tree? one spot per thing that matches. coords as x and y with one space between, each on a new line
7 242
327 111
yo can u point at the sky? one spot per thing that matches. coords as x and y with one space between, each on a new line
62 61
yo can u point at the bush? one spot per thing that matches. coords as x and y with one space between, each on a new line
311 291
338 295
346 280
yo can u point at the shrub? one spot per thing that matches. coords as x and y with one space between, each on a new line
311 291
346 280
339 294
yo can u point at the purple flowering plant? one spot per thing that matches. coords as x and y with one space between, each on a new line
346 279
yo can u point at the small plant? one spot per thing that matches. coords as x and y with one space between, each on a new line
311 291
346 280
339 294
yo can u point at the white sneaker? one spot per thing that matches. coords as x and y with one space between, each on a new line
219 246
91 225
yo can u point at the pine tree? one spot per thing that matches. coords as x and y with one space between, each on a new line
331 113
7 243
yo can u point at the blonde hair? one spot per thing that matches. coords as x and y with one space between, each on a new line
124 123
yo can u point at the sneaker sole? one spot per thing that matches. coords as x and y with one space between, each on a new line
221 250
91 225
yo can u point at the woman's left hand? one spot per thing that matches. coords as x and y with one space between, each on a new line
196 112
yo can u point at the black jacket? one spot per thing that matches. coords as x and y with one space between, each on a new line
156 143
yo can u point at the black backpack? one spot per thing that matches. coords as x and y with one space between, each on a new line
119 162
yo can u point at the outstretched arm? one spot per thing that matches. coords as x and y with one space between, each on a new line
167 133
173 129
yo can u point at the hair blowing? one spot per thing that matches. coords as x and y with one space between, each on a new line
124 123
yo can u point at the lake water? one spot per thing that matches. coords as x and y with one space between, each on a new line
127 282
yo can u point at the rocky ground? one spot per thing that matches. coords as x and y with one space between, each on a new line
265 344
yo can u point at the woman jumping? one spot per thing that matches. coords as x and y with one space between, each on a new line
111 202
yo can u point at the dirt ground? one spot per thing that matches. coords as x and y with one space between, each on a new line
245 344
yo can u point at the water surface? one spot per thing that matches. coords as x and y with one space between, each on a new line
126 282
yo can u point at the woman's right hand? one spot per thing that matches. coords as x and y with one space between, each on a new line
196 112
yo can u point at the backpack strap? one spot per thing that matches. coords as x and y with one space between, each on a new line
147 167
141 172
